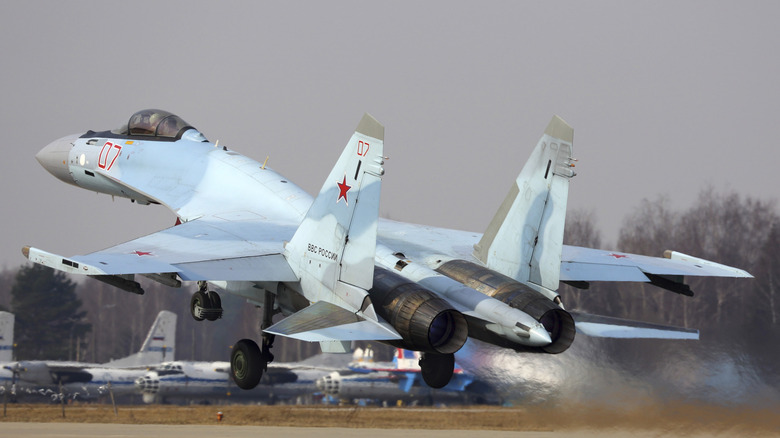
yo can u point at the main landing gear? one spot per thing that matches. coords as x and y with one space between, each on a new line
437 369
205 304
248 361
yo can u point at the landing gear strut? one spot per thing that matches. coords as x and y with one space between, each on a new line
437 369
205 304
248 361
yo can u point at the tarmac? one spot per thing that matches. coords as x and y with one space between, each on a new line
67 430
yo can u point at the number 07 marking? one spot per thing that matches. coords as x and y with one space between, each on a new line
108 155
362 148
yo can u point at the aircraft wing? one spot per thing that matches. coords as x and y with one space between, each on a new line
586 264
204 249
582 265
578 263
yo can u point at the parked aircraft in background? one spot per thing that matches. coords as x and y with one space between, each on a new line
187 380
6 350
6 337
85 380
332 267
399 381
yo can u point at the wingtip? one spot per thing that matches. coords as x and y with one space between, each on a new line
558 128
733 272
371 127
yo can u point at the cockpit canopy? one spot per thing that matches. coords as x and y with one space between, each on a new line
158 123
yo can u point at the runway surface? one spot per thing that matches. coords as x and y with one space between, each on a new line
68 430
649 420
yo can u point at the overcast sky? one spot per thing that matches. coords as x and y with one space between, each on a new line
665 98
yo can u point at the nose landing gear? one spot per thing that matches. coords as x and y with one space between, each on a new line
205 304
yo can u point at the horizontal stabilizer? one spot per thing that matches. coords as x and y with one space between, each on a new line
608 327
323 321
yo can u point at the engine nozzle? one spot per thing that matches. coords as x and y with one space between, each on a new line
425 321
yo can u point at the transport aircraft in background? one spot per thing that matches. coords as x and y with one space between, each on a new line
6 350
332 267
89 380
6 337
193 381
400 381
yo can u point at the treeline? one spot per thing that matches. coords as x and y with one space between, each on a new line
735 316
110 323
726 228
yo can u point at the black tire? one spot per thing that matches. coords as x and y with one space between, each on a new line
437 369
216 303
246 364
199 299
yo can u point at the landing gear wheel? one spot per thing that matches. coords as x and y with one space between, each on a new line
248 361
199 302
437 369
246 364
216 304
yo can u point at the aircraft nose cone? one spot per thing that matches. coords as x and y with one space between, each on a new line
54 158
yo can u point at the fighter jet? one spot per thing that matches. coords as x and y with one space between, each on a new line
334 269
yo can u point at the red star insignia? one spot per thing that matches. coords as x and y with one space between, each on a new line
343 189
617 256
141 253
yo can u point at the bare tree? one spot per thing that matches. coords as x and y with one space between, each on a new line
768 278
727 229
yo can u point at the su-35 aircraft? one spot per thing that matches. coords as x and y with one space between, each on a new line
332 267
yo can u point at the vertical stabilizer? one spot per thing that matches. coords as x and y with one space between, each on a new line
525 238
332 252
159 344
6 336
